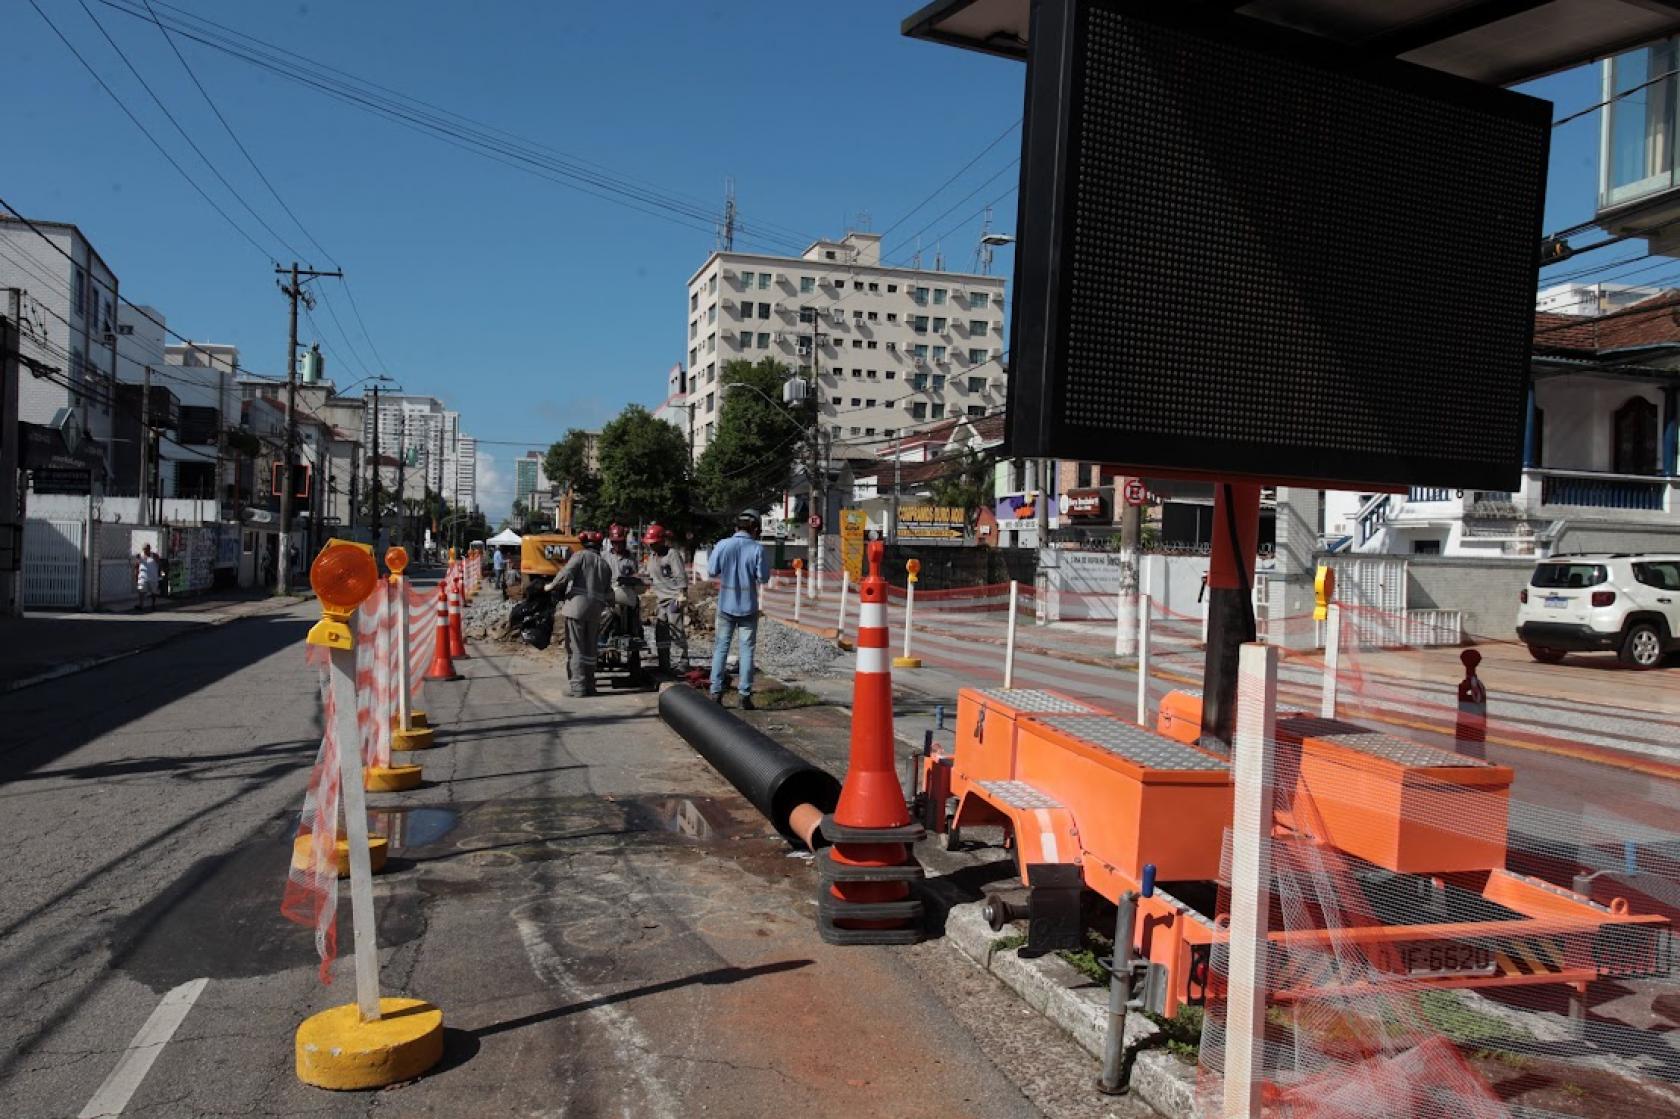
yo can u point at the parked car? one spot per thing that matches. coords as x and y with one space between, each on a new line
1629 604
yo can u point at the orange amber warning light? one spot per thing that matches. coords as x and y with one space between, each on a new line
396 559
342 575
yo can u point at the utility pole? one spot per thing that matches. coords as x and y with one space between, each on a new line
402 477
819 462
1131 532
293 292
898 456
375 491
1041 507
146 445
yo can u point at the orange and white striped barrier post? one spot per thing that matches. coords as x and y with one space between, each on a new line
798 586
457 645
912 570
374 1041
409 730
845 593
865 896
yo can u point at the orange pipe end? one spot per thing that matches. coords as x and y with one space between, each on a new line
804 820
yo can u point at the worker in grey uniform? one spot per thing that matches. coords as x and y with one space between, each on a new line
669 577
586 585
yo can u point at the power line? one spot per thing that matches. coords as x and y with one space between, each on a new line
960 172
237 228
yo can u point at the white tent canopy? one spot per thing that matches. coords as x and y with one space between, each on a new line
504 539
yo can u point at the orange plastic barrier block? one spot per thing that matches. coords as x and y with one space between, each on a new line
1180 716
1137 796
986 721
1411 808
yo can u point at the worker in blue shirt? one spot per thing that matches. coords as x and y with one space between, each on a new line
740 567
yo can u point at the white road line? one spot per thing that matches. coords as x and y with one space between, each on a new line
137 1060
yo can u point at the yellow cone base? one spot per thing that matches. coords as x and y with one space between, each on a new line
907 662
420 738
337 1050
303 856
391 778
416 718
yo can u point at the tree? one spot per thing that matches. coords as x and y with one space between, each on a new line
567 464
966 483
757 440
644 470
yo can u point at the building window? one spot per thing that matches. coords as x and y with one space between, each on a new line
711 373
857 374
978 299
746 339
938 296
894 347
764 341
889 404
870 345
918 411
693 329
919 381
869 431
857 316
857 343
711 401
873 316
834 400
806 285
711 284
711 343
710 428
875 287
1633 438
764 281
870 373
857 285
939 353
939 326
977 326
764 310
694 301
856 402
976 410
920 352
892 289
807 314
693 354
78 289
977 357
711 313
892 316
854 431
828 254
1084 474
919 324
869 402
939 411
977 384
892 374
919 296
746 279
939 382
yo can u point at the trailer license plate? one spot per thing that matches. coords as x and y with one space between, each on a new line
1441 958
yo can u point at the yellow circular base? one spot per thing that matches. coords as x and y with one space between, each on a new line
303 854
907 662
337 1050
416 718
420 738
391 778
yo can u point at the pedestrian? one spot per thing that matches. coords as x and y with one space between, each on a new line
146 577
498 564
740 567
586 586
669 576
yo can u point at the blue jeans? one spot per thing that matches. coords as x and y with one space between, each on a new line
728 625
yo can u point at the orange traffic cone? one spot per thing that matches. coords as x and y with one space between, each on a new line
442 667
866 874
457 647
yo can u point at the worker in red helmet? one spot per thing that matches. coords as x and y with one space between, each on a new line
586 586
626 575
669 576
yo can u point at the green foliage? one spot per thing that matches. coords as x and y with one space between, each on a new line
1008 943
1085 963
1183 1033
787 699
967 481
757 440
567 464
644 470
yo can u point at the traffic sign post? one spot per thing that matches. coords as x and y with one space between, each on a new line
1134 492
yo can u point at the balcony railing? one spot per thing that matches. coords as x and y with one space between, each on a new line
1423 493
1601 491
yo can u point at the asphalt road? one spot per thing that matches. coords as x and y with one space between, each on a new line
607 927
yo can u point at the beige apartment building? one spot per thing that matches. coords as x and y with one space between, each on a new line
889 349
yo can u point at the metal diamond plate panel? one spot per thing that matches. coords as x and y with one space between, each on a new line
1401 752
1132 742
1033 699
1019 794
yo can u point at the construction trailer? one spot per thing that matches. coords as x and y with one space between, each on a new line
1416 838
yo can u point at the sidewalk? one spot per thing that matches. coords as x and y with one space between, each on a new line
44 646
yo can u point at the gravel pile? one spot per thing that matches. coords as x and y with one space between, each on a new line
485 617
788 653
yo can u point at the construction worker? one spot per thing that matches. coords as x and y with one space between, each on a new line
669 576
740 567
586 586
627 574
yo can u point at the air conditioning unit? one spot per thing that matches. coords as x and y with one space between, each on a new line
795 391
729 273
839 316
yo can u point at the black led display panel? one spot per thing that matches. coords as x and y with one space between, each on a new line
1245 252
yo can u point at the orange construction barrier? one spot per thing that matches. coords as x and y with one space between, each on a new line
865 897
442 667
457 646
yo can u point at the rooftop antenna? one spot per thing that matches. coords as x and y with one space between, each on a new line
938 257
863 220
916 259
983 251
726 231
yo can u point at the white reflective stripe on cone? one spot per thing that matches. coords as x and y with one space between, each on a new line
871 660
872 615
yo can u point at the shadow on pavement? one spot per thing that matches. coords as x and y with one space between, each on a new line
715 977
50 720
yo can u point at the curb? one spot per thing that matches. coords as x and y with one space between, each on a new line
1050 986
58 672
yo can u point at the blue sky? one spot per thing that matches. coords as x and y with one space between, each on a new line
528 306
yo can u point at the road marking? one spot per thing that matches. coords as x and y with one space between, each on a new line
142 1052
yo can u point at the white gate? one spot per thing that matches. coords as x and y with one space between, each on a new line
52 565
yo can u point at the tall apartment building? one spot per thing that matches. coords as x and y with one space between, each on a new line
889 349
67 321
427 436
529 478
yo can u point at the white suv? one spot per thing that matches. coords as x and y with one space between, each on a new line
1589 603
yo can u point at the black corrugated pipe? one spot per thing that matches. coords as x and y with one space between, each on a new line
792 793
